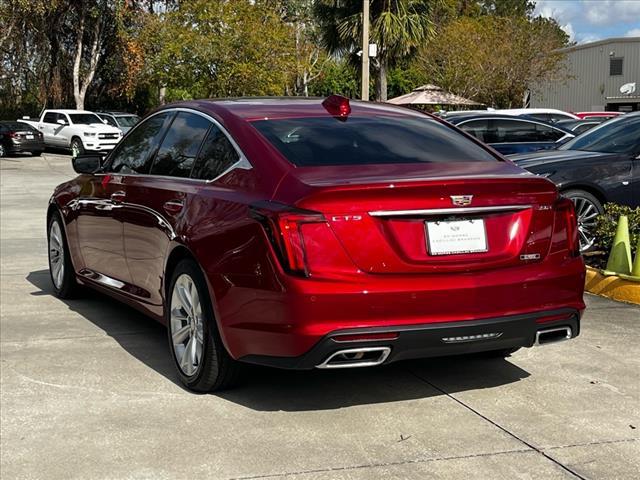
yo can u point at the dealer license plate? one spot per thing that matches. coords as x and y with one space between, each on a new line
455 237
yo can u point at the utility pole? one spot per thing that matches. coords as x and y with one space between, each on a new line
364 95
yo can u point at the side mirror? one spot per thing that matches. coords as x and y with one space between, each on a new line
61 122
105 122
87 163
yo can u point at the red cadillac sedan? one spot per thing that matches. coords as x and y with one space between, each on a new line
311 233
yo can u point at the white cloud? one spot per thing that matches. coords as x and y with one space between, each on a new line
610 12
588 38
568 29
633 33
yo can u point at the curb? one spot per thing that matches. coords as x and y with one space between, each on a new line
612 287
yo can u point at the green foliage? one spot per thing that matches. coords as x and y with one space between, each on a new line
398 28
493 59
220 49
607 224
337 76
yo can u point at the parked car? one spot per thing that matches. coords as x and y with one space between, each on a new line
509 134
581 126
591 115
78 130
121 120
309 233
17 137
601 165
550 115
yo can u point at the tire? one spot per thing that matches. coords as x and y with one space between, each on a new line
588 207
36 154
77 147
61 269
193 329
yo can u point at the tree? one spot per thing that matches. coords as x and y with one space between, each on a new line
398 28
494 60
221 48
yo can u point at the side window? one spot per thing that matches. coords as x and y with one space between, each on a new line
134 153
62 116
216 155
583 128
180 145
50 117
548 134
516 131
545 117
109 120
479 129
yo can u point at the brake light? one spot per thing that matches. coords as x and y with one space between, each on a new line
284 229
337 105
565 209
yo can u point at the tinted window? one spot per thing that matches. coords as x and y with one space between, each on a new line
50 117
180 145
545 117
506 130
548 134
216 155
17 126
369 140
84 118
127 120
134 153
583 127
109 120
479 129
621 135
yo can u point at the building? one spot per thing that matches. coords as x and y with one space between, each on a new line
596 73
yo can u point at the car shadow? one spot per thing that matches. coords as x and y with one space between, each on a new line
269 389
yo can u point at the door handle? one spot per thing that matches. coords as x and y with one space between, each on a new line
118 197
173 207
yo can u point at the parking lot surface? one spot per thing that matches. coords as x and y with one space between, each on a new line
88 391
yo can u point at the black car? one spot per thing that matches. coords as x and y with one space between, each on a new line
18 137
582 125
509 134
601 165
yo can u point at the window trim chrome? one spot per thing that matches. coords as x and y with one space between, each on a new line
242 162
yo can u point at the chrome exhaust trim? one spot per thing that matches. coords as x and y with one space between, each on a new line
552 335
356 357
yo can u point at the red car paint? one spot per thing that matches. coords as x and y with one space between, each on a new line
597 114
361 270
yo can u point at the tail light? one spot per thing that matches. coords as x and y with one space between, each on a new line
303 241
284 229
567 220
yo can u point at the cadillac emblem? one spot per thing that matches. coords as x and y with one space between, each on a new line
461 200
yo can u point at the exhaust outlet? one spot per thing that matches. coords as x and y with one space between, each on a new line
356 357
552 335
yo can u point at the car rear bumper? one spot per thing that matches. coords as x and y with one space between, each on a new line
288 317
430 340
24 146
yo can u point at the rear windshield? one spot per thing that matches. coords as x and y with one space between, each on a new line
84 118
127 120
321 141
17 126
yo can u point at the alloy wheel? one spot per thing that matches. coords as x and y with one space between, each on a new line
3 152
75 148
187 325
56 254
586 212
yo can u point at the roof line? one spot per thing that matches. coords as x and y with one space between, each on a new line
597 43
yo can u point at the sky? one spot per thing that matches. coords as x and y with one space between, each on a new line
590 20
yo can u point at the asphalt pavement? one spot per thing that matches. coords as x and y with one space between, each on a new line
88 391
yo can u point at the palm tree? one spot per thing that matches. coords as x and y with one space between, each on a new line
398 27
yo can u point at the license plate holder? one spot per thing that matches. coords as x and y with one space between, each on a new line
456 237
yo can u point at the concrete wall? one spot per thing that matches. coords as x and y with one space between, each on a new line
590 84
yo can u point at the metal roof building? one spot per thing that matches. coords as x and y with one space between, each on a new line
602 75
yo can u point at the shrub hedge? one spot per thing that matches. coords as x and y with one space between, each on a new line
607 223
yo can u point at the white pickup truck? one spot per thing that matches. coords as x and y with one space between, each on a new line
78 130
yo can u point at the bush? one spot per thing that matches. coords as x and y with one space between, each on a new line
606 225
